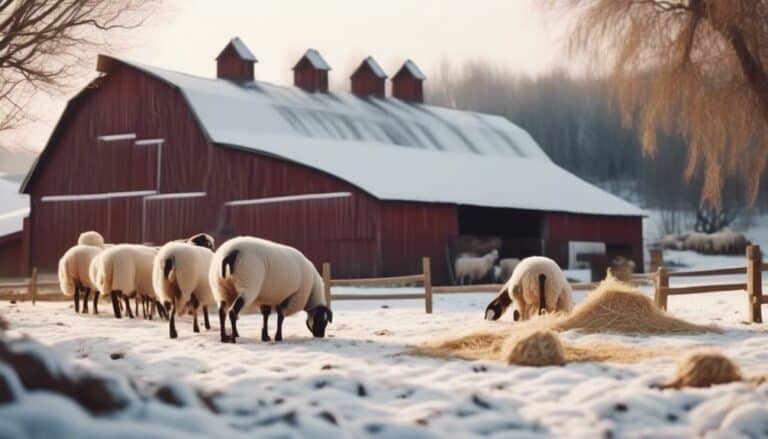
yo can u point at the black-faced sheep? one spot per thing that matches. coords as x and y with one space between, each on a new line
180 276
536 283
251 273
473 268
125 271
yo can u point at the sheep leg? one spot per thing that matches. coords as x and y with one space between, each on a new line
161 310
223 321
172 322
136 302
128 311
233 313
151 308
280 317
96 294
86 296
195 303
205 318
77 299
116 304
265 311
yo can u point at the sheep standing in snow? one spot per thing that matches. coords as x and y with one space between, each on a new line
251 273
91 238
537 282
472 268
180 276
507 266
74 278
124 271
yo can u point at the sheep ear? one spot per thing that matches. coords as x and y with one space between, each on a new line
497 307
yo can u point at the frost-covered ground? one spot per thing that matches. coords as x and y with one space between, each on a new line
359 382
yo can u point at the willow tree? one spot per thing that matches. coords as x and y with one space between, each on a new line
43 44
695 68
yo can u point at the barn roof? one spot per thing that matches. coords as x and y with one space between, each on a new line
241 49
373 66
411 67
315 60
392 149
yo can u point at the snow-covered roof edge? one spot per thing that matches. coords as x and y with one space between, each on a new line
315 59
374 66
241 49
414 70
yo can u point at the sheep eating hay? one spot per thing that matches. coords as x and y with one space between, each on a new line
704 368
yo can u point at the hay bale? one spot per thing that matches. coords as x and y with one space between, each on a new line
617 307
704 368
538 348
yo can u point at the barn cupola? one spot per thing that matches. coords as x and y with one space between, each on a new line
311 72
408 83
369 79
235 62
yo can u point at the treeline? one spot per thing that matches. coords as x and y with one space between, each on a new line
577 123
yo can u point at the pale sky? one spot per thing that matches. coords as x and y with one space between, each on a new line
186 35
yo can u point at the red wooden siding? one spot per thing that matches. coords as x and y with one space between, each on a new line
365 83
309 78
230 66
11 251
612 230
407 88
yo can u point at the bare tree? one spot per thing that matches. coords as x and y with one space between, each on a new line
696 68
44 42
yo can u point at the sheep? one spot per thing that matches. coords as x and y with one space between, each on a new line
74 277
180 276
124 270
250 273
91 238
507 266
536 282
474 268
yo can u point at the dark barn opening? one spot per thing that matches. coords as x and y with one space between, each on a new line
521 231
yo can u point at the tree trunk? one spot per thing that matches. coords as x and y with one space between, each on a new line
752 68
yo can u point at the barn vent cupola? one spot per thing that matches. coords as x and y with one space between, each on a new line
369 79
311 72
235 62
408 83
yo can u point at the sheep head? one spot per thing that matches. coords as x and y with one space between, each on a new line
317 319
497 307
203 240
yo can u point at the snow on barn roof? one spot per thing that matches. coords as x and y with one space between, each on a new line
14 207
241 49
315 59
414 70
374 66
389 148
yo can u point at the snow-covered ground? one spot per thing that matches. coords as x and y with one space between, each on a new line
360 381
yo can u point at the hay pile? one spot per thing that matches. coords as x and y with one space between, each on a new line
617 307
538 348
612 307
704 368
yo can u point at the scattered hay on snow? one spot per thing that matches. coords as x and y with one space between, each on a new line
704 368
613 307
617 307
538 348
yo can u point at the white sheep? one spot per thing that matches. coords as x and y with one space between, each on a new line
473 268
507 266
254 273
125 271
536 282
91 238
180 276
74 278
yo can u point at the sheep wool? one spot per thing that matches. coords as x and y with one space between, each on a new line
91 238
74 276
471 268
125 270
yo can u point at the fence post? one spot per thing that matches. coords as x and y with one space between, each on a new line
662 281
755 283
32 287
327 282
657 259
427 269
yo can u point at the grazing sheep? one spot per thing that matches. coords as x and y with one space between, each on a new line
507 266
180 276
472 268
125 270
537 282
91 238
74 278
249 272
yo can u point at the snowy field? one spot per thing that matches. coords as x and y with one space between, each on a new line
360 381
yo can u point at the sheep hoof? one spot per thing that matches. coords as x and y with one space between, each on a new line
278 338
174 334
225 339
265 337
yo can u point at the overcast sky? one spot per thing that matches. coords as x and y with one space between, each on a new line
186 35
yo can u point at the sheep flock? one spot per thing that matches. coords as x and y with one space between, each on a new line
188 275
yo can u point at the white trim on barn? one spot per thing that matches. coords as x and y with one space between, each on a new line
289 198
116 137
90 197
144 142
176 195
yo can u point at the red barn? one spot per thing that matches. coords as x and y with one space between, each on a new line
367 182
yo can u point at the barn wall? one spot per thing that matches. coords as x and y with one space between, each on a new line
412 230
408 88
612 230
11 251
365 83
309 78
230 66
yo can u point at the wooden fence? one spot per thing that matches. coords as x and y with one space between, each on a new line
753 284
31 285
